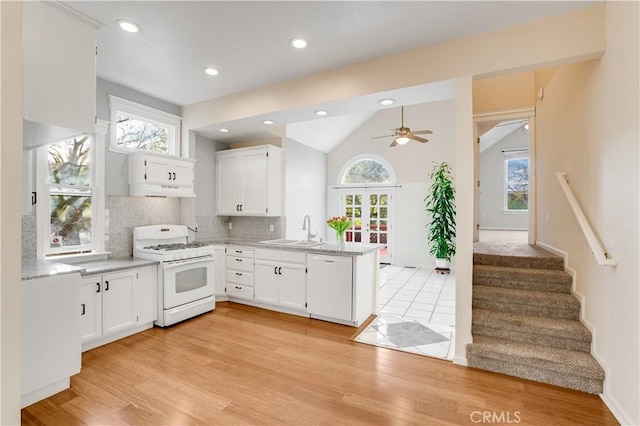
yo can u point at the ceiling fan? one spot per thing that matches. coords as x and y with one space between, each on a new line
402 134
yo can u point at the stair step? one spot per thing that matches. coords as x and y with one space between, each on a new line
556 332
570 369
515 255
555 305
522 278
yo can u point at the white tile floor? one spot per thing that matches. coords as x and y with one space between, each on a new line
419 296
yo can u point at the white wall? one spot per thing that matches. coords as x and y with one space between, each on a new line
10 176
411 163
491 199
587 125
305 189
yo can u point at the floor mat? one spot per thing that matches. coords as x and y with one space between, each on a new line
414 336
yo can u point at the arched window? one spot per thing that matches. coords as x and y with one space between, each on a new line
367 170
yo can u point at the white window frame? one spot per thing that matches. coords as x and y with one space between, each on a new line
144 113
510 156
361 157
97 246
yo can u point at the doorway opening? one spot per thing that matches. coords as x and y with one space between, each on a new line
505 159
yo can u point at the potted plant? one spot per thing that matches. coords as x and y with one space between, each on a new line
440 204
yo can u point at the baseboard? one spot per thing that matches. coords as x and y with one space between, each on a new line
620 415
460 360
609 401
502 229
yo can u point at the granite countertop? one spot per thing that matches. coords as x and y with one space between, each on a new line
39 268
351 249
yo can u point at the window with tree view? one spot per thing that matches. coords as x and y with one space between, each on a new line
136 127
366 171
70 193
517 182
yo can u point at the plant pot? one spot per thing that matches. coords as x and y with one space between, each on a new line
442 263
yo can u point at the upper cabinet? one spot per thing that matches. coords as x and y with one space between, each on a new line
160 175
59 66
249 181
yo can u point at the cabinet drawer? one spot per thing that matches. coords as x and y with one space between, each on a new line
241 278
239 263
240 292
240 252
288 256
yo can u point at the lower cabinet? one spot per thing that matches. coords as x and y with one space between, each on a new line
280 279
114 304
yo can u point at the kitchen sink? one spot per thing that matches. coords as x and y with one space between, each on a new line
293 243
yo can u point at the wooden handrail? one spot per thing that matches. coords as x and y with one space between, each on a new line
594 243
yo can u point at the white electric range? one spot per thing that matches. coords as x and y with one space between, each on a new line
186 276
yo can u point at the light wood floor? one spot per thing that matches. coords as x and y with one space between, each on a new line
243 365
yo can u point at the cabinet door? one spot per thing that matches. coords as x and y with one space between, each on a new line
118 312
228 185
146 295
254 183
330 286
182 173
59 68
266 282
90 308
157 171
292 289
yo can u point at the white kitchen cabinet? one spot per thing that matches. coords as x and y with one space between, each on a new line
249 181
117 304
280 278
341 288
160 175
59 66
239 273
50 336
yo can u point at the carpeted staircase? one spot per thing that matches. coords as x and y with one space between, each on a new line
525 320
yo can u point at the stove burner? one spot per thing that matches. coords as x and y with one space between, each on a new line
175 246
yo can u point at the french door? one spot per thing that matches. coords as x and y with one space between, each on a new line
371 214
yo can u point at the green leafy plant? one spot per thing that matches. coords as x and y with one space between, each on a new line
440 204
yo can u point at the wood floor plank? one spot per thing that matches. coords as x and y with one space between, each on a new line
243 365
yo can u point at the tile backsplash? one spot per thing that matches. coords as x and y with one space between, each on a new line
125 213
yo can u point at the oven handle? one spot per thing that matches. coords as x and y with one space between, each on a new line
178 263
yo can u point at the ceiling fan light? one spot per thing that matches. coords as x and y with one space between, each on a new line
401 140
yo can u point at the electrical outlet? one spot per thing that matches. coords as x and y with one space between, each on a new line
271 227
230 225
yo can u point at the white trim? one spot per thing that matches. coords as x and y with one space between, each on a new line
460 360
65 8
367 156
504 115
148 114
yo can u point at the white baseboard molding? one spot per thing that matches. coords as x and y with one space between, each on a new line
502 229
460 360
609 401
121 335
45 392
615 409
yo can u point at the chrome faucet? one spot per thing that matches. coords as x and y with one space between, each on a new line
306 226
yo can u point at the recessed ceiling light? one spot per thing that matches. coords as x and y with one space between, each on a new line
211 71
129 26
321 112
223 130
268 122
299 42
402 140
386 101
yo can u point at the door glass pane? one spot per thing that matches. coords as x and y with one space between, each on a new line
383 199
358 200
348 200
191 279
373 212
348 212
373 199
383 212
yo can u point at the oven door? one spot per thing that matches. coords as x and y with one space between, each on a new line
188 280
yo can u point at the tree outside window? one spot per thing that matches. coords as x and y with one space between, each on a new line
366 171
517 183
70 190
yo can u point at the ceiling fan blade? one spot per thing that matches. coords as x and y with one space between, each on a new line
394 143
423 132
379 137
418 138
